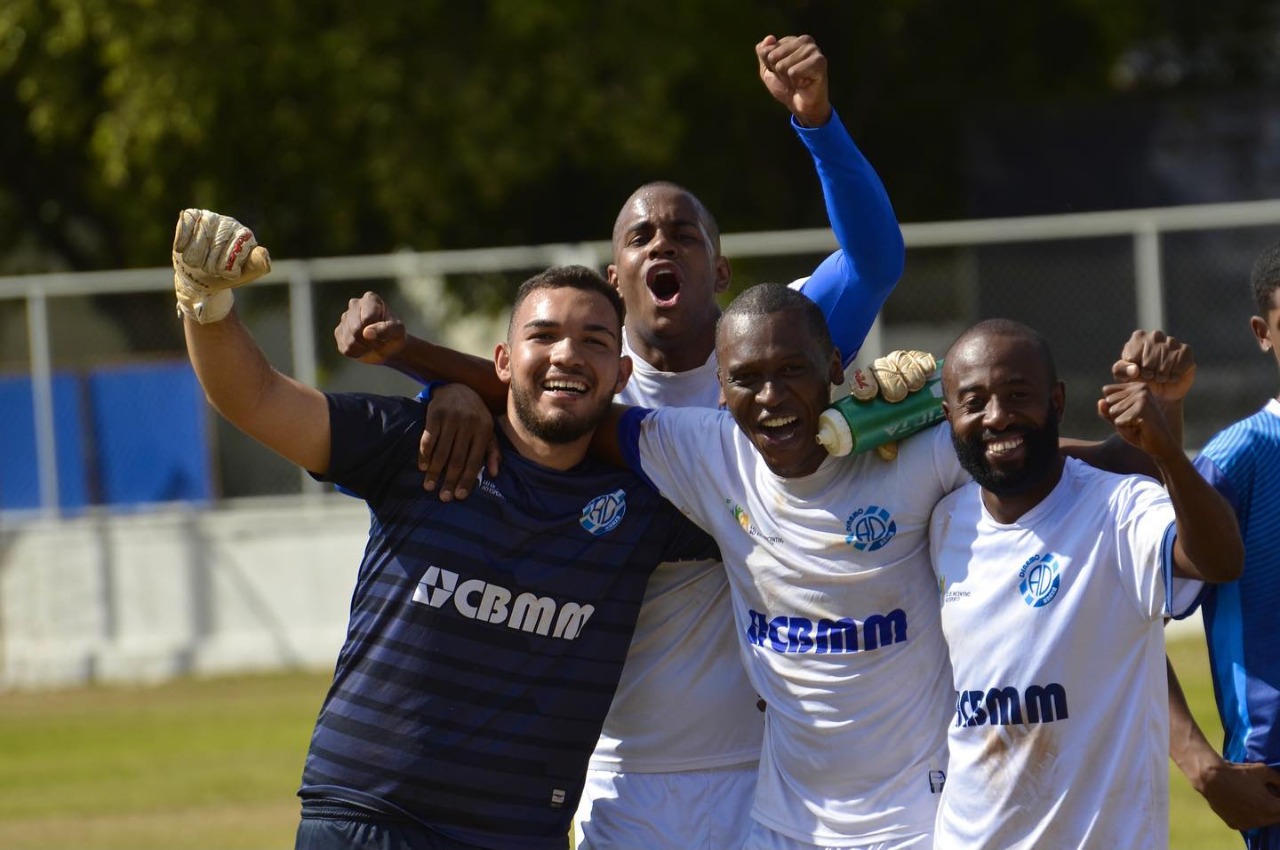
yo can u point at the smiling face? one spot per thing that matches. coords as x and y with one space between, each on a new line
667 265
563 363
1004 406
775 378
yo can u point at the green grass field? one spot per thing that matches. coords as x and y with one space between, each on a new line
213 764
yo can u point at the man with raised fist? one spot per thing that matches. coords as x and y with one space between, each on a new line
486 636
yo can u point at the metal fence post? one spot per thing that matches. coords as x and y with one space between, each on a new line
1149 288
302 337
42 400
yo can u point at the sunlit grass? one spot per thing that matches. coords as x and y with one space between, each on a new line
213 764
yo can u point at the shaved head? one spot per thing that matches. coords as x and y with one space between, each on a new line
975 340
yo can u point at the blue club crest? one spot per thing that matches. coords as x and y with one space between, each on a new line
1041 580
603 513
869 528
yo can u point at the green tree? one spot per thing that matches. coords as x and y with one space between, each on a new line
429 124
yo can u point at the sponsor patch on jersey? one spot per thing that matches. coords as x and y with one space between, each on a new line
477 599
870 528
603 513
744 521
1041 580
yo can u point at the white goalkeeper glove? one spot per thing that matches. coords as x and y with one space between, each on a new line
893 375
212 254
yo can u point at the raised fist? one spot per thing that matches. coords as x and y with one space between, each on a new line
213 253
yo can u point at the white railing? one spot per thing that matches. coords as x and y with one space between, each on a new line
1145 228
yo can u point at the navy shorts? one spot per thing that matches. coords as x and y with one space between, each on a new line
332 825
343 828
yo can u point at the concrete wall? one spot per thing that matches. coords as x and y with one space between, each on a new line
255 585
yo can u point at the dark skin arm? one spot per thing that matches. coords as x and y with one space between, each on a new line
1245 796
1168 368
458 436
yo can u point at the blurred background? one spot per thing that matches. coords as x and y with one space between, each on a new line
1086 166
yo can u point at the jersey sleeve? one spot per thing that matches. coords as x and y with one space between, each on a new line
951 476
637 430
852 284
671 449
1221 480
1189 594
372 439
1145 532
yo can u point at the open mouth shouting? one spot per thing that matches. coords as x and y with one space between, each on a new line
663 280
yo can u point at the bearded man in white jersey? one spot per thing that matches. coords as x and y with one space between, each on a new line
676 765
834 599
1056 578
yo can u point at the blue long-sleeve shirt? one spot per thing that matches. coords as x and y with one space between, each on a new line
852 284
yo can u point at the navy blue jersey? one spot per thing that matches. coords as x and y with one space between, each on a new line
486 635
1241 624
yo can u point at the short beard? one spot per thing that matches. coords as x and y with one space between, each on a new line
1042 454
559 430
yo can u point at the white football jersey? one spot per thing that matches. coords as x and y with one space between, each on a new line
836 616
683 661
1059 732
684 701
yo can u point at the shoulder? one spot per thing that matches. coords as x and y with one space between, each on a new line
966 499
1237 442
1120 492
380 409
366 418
696 425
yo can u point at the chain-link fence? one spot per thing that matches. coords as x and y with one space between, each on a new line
98 406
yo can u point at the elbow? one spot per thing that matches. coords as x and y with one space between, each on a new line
1224 564
1233 563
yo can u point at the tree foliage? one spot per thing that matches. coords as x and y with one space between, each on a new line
347 128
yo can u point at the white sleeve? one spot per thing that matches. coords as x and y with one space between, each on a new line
1144 543
678 448
951 475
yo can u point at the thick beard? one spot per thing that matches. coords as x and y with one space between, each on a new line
558 430
1042 453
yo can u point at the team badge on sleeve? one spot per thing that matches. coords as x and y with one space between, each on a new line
603 513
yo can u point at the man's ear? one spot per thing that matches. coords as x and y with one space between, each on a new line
624 374
836 375
1059 398
502 362
611 274
723 273
1261 332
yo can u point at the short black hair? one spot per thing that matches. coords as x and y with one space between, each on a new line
765 299
1266 278
573 277
708 220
